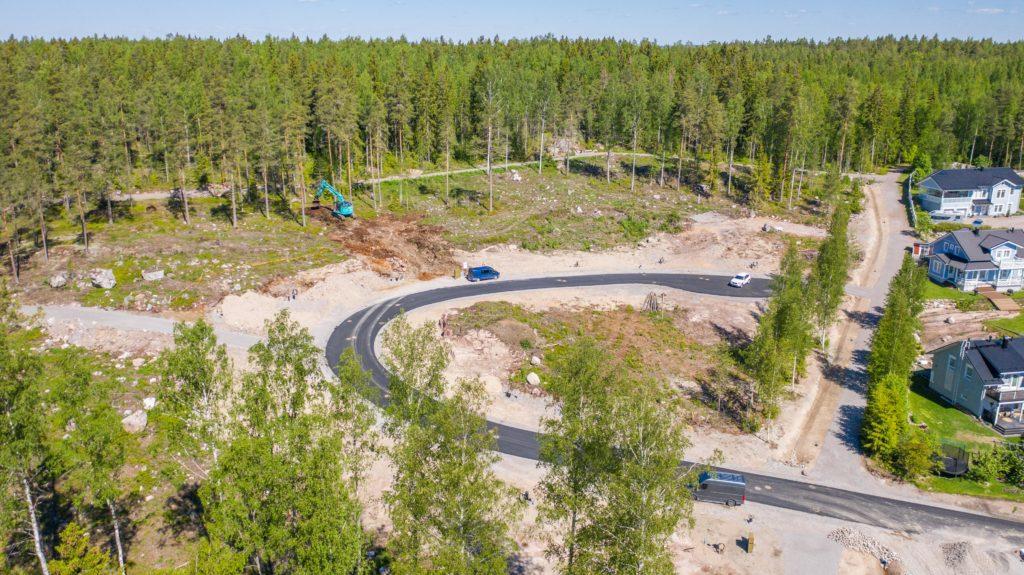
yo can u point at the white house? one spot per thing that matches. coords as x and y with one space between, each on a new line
972 192
974 258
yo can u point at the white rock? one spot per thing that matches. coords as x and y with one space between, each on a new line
135 422
153 275
532 378
148 403
59 280
492 385
534 360
102 278
138 362
950 320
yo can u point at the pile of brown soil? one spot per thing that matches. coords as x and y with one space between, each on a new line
394 246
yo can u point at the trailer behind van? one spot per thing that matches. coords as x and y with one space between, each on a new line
721 487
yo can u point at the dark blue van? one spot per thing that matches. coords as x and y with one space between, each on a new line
721 487
481 273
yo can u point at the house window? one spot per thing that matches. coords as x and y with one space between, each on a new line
951 365
968 373
1000 194
972 275
1004 274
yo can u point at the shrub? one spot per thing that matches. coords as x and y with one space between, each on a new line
634 229
987 465
916 454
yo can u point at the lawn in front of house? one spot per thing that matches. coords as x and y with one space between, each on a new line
964 300
951 425
945 421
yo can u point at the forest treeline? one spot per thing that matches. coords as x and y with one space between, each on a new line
94 115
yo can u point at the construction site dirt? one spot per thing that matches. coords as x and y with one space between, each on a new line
396 247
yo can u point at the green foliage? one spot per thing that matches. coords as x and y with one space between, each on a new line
828 276
907 451
634 229
450 513
915 455
987 465
885 417
893 347
191 409
90 116
778 353
76 555
282 492
612 480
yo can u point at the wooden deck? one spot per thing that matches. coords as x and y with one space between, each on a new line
1002 301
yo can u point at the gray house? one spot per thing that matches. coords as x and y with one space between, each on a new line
972 192
986 378
973 258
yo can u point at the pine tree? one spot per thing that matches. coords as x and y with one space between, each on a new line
76 555
885 417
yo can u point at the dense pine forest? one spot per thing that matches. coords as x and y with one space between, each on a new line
83 118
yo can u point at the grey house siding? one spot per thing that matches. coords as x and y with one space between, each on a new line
939 380
956 380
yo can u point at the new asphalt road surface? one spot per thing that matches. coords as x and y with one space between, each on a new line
360 331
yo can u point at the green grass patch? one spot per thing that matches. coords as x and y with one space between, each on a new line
962 486
1013 326
944 420
964 300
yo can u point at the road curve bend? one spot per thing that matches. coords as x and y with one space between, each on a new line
360 330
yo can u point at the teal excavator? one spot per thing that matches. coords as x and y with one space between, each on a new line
342 207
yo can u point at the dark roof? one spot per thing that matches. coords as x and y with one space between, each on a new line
974 178
993 358
976 246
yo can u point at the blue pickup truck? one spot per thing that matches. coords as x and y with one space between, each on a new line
481 273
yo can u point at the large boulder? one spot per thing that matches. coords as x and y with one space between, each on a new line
102 278
135 422
532 378
59 280
153 275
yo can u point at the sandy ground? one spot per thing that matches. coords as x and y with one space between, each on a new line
479 354
942 322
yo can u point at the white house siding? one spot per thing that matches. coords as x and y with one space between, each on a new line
931 200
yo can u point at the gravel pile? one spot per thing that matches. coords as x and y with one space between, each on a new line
955 553
857 541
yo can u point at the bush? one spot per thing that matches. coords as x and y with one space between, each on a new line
916 454
987 465
634 229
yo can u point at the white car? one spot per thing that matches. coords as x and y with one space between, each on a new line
740 280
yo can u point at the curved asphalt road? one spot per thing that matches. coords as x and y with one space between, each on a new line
360 331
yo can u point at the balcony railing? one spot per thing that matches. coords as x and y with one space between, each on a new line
1006 395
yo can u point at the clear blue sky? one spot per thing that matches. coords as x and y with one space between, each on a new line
695 21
